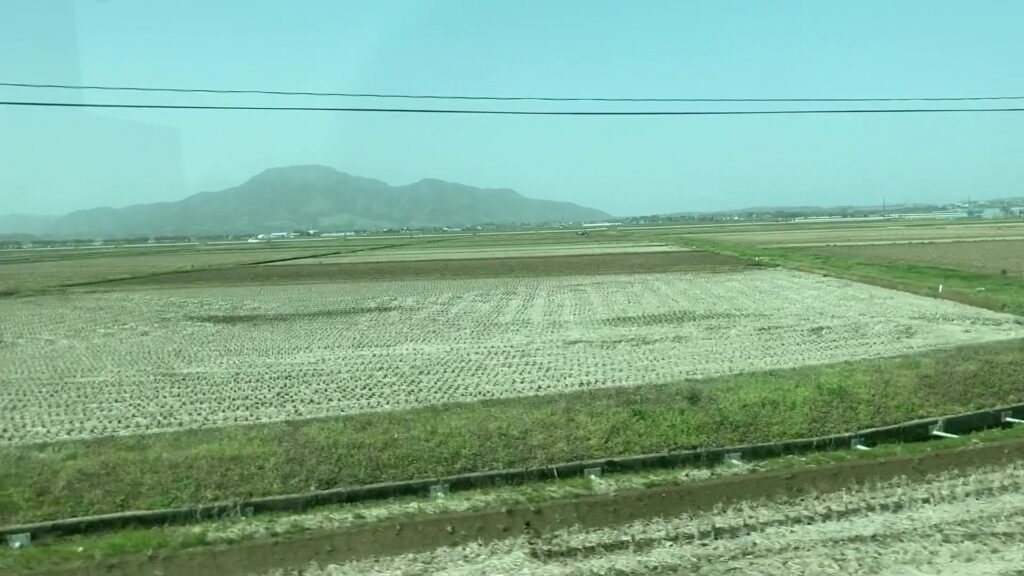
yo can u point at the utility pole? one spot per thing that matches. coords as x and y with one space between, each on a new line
883 207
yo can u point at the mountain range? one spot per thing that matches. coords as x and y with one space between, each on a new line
305 198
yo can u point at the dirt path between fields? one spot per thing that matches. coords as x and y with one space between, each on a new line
426 533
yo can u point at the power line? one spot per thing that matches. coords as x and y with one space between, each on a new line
498 98
507 112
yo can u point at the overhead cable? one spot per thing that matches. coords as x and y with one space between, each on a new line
493 98
509 112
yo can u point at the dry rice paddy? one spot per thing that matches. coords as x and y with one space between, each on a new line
948 525
810 234
984 257
81 365
415 254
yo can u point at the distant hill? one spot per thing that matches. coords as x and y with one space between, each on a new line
310 197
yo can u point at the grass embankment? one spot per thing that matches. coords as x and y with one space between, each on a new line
109 546
76 478
990 291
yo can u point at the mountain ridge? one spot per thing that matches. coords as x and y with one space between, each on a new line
311 196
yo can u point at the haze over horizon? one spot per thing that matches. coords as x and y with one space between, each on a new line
58 161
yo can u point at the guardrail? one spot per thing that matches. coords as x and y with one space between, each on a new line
914 431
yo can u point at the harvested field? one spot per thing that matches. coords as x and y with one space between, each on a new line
499 251
984 257
509 267
951 524
28 270
893 242
878 233
95 364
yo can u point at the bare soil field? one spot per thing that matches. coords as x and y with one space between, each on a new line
81 365
985 257
296 272
492 251
894 242
841 233
27 270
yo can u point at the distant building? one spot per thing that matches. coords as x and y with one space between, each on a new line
943 215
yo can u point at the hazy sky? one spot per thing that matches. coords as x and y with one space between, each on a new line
59 160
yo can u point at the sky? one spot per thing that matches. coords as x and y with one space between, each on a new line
58 160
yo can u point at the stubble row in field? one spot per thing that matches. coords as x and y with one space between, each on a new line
85 365
947 525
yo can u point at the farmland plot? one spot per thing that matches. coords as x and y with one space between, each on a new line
949 525
92 364
27 270
983 257
501 251
791 236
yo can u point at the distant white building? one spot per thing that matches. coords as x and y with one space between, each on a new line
945 214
